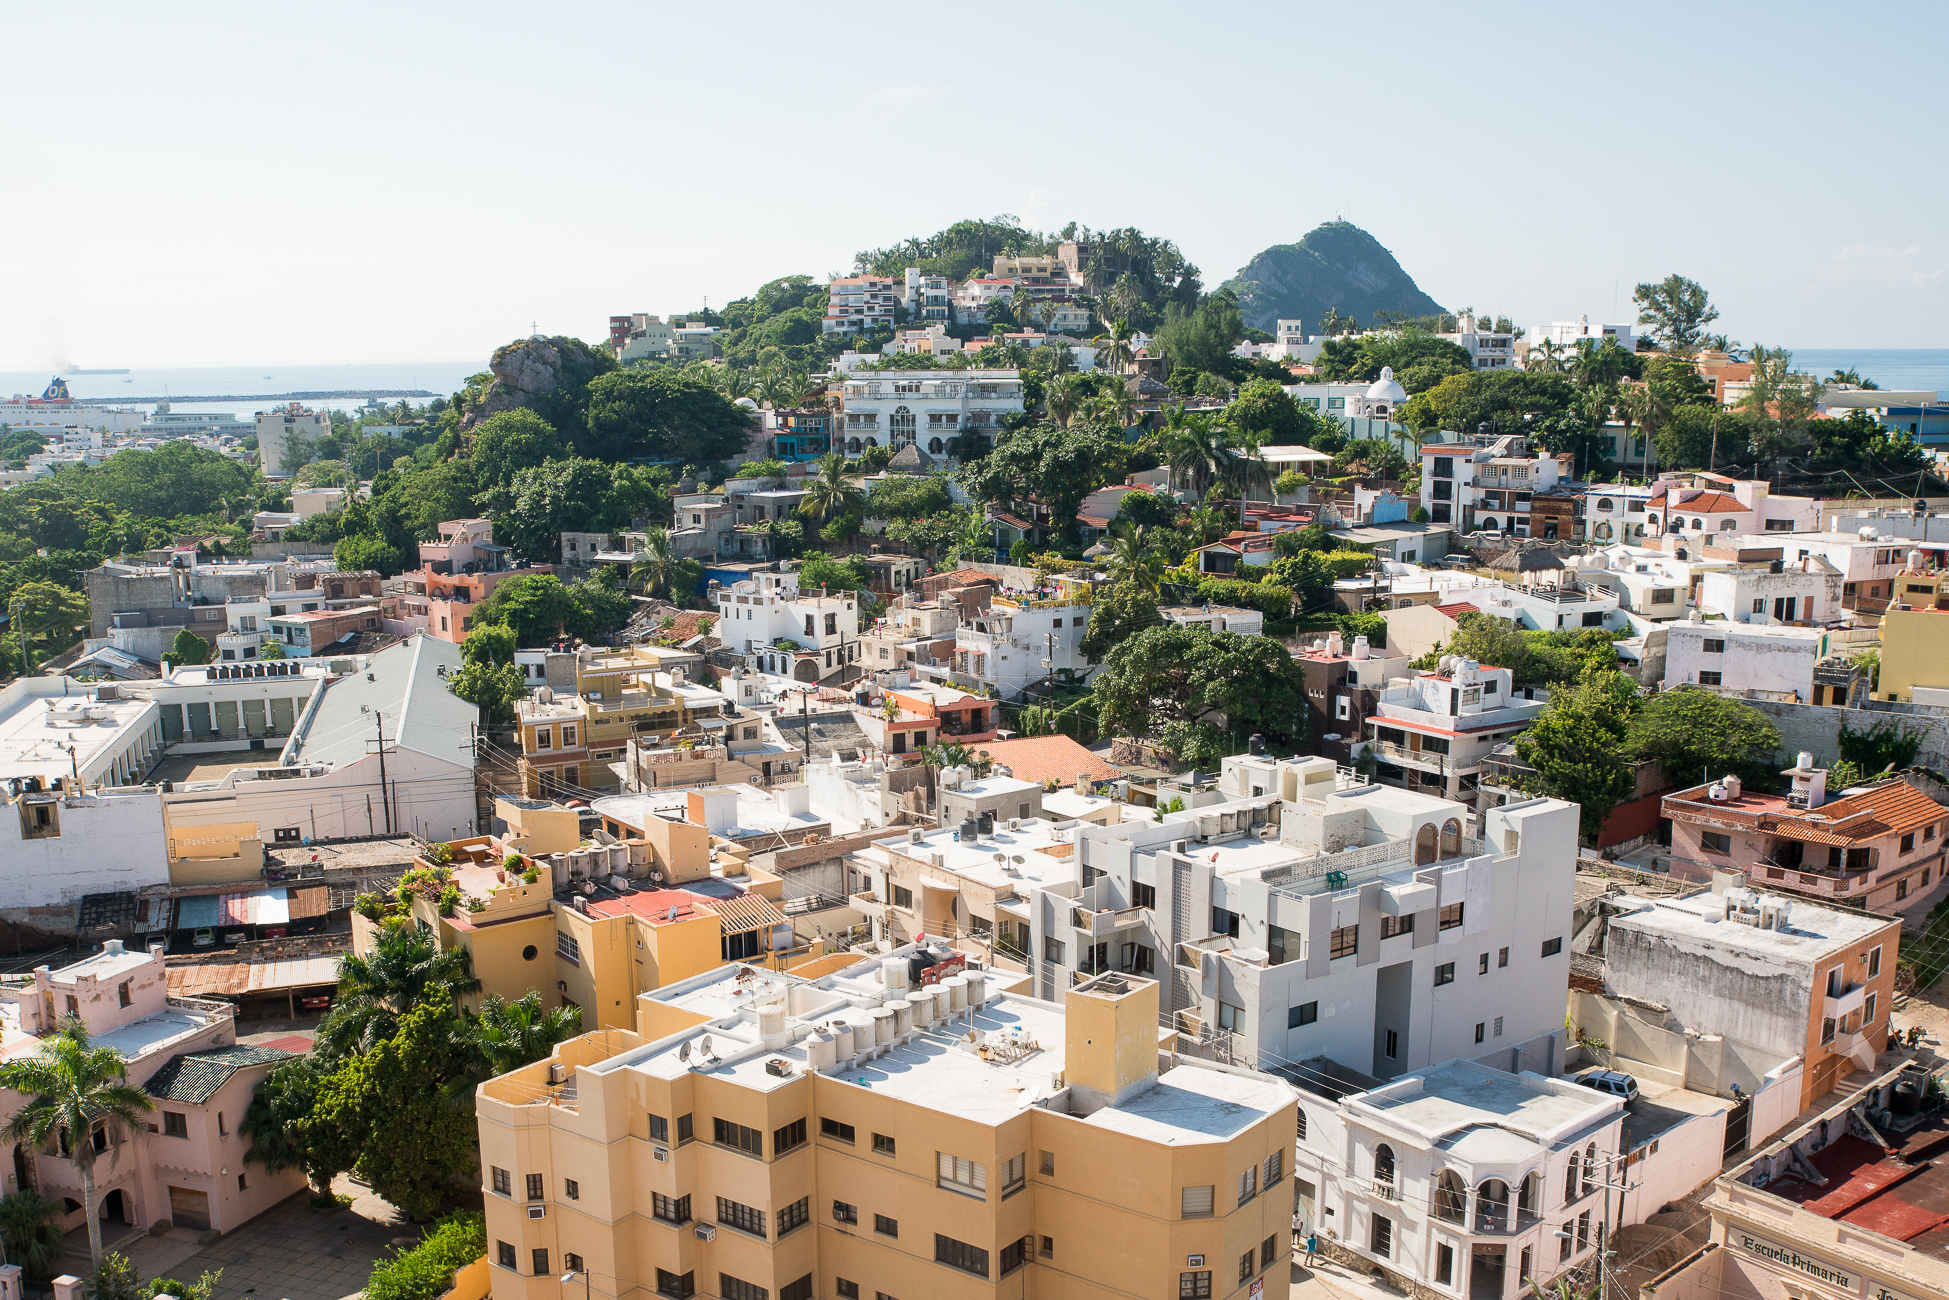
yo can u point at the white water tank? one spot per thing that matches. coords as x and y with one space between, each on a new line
842 1041
977 987
922 1003
1917 560
819 1052
903 1018
883 1027
1716 792
1733 787
1361 648
893 974
771 1025
956 987
639 852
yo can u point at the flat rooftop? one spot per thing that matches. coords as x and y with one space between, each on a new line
1021 850
1815 930
1451 1102
36 732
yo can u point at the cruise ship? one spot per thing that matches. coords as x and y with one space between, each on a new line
56 410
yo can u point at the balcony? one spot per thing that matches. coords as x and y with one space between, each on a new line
1839 1006
1426 760
1102 924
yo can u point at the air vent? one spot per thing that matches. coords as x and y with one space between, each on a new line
537 1211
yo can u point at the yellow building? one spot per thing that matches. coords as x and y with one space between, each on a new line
574 743
856 1137
593 942
1915 644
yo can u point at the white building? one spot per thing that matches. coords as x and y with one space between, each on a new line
857 303
277 429
1462 1179
1486 486
640 338
1808 590
1570 334
1433 730
783 630
1650 584
1215 618
1868 557
895 408
1488 349
1017 641
928 299
1751 661
1699 504
222 707
1381 400
1613 512
165 423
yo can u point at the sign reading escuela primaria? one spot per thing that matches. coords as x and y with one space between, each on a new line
1823 1271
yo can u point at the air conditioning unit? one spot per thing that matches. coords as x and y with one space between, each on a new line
537 1211
706 1231
660 1153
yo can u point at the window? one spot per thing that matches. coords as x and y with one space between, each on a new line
1195 1202
1195 1286
788 1138
1928 832
1715 842
1268 1251
540 1260
1451 916
737 1136
882 1145
730 1214
1874 961
122 991
1713 646
1583 1229
1245 1267
1868 1011
1393 925
1551 947
1304 1014
832 1128
567 948
732 1288
1275 1169
1230 1018
1497 1031
505 1253
955 1254
1502 958
659 1129
1564 1245
1393 1046
1908 846
886 1227
537 1187
1048 1164
957 1175
1827 1030
1302 1123
1445 974
1381 1239
1248 1185
841 1213
1143 895
1482 964
670 1211
1711 678
1055 952
1048 1248
1344 943
1015 1175
847 1290
1015 1254
503 1181
1480 1028
242 1185
683 1129
903 897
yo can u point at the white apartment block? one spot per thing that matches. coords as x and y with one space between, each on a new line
928 408
1650 584
790 632
1433 730
1018 641
857 303
1570 334
1215 618
1488 349
639 337
1489 487
276 430
1868 557
1705 505
1807 590
928 299
1750 661
1461 1179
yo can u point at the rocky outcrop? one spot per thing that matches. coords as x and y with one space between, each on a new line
1338 265
536 372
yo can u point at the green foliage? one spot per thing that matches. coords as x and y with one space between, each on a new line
658 414
1371 625
281 1125
504 444
772 469
1576 746
536 606
833 491
908 496
189 648
1499 398
1195 675
425 1271
1677 309
1117 613
1196 744
1269 598
493 644
29 1233
405 969
1056 466
1419 360
1691 730
596 609
491 687
116 1278
1532 657
1877 748
1147 510
50 613
1200 337
407 1085
360 553
542 502
818 569
504 1036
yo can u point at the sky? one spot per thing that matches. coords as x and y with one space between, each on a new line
208 184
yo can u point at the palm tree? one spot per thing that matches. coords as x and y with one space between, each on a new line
1197 446
404 970
75 1090
1134 558
1064 398
1023 304
1242 469
735 383
29 1233
1113 350
1207 523
955 754
1853 377
504 1036
655 563
833 491
1546 356
1599 365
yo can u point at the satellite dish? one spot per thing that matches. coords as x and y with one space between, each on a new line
683 1052
1001 857
1018 859
705 1046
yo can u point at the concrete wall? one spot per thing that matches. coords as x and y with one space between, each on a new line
1767 1006
432 796
107 842
1813 728
116 594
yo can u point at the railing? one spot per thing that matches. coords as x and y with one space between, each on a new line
1388 749
1386 1191
1366 860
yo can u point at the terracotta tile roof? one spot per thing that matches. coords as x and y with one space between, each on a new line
1705 503
1043 758
1896 808
194 1077
1013 521
1456 610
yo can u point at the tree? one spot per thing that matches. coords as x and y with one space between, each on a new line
492 688
1691 730
1058 467
1780 403
281 1135
658 571
357 554
660 414
406 969
954 754
595 609
833 491
1118 613
504 1036
29 1234
1134 559
1197 675
1200 338
544 501
504 444
1677 309
1113 350
270 650
908 496
74 1088
1575 746
413 1091
1143 509
50 611
189 648
1487 640
820 571
1266 414
492 644
1506 400
536 605
296 452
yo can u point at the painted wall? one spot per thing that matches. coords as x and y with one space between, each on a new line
108 842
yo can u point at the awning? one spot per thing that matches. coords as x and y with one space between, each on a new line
277 905
200 912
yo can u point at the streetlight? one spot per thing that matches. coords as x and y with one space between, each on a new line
587 1283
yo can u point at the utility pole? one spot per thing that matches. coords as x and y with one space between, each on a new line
379 721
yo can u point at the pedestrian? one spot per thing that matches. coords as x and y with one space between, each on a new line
1312 1248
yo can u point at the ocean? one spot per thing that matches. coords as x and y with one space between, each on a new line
184 385
1906 368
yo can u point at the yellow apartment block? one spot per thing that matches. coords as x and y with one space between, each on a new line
571 742
1915 651
870 1135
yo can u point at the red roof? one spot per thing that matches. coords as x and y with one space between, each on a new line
1704 503
651 904
1457 610
1043 758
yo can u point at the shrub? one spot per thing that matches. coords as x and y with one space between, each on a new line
424 1271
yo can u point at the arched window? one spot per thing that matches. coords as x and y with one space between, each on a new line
1489 523
852 445
1604 504
1451 1198
1424 845
1697 524
1590 1169
936 446
1451 838
1651 521
1383 1163
901 426
872 442
1570 1180
1603 531
1728 525
1529 1196
1491 1205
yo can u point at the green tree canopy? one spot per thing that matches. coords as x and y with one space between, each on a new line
1117 614
1058 467
1506 400
1677 310
1702 736
535 605
1201 337
577 495
908 496
513 440
189 648
1173 672
658 414
1576 746
357 554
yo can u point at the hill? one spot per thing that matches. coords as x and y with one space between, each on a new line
1337 265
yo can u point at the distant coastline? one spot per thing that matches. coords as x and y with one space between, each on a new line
332 395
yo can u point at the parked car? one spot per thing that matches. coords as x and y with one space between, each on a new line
1612 1081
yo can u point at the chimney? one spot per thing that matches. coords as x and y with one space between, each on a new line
1110 1041
1082 783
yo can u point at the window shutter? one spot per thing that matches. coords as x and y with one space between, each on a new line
1197 1200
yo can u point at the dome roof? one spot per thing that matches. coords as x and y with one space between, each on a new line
1385 389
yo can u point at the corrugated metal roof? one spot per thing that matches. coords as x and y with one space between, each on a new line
406 685
199 911
308 900
230 978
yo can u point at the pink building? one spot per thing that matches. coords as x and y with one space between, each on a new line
456 573
188 1164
